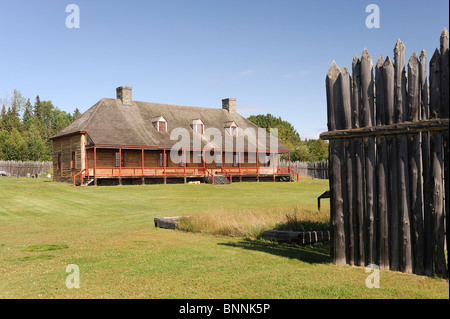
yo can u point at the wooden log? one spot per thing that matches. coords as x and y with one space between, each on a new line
432 125
440 266
382 169
444 67
402 158
356 91
426 168
347 191
415 164
336 150
282 236
167 222
445 104
436 156
331 88
391 170
358 171
367 110
401 114
435 83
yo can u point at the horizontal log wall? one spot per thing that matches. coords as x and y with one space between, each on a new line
389 158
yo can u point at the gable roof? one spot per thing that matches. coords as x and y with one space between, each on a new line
109 122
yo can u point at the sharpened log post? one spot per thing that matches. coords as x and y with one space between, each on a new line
368 120
336 150
415 164
358 171
382 169
405 252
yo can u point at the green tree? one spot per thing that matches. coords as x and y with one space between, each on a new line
15 147
27 115
76 114
17 103
305 151
318 149
36 146
286 131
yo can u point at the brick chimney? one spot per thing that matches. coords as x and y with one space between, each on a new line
124 94
229 104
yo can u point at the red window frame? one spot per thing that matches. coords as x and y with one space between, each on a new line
162 126
197 126
233 131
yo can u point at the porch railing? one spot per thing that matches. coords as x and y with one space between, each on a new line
182 171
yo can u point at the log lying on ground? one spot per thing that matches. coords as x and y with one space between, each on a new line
168 222
300 238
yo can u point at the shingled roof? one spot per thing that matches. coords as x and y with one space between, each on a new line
130 124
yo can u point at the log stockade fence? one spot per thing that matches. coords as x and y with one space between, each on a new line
25 169
317 170
389 161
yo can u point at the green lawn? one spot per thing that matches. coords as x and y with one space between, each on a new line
109 233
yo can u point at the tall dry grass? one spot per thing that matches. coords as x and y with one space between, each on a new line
252 223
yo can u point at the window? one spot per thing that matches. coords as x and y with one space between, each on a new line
198 128
161 160
59 161
182 160
219 160
162 126
267 161
72 163
235 160
231 128
119 158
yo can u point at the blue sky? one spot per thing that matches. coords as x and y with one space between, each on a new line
272 56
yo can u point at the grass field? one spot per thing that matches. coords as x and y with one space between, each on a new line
109 233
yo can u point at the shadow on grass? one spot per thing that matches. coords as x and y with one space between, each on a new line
314 254
294 223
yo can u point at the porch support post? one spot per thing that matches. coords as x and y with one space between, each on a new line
203 159
120 162
86 159
95 166
142 162
257 164
273 162
289 162
95 161
164 162
240 171
184 164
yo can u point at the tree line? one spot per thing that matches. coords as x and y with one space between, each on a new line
305 151
25 128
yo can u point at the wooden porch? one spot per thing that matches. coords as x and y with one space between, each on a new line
142 165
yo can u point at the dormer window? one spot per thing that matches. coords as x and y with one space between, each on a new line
198 126
231 128
160 124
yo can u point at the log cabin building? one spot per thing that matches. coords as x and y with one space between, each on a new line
121 141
